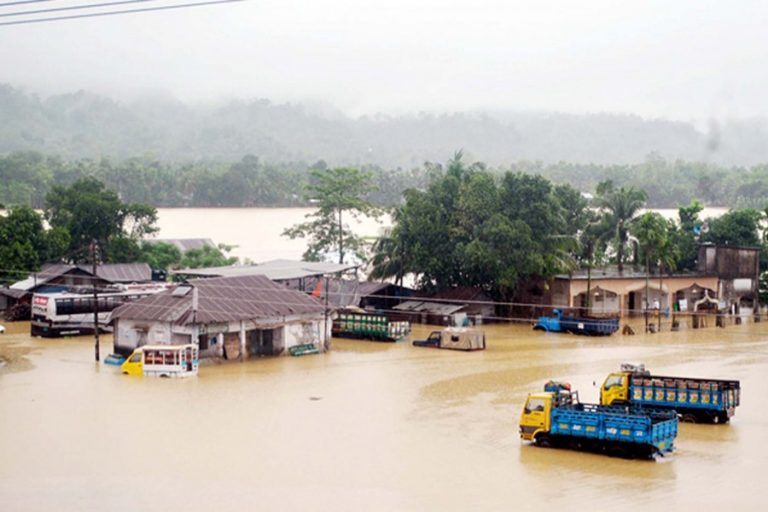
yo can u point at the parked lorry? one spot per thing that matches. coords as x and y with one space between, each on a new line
556 418
694 399
586 325
455 338
369 327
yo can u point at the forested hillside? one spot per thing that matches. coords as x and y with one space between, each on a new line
83 124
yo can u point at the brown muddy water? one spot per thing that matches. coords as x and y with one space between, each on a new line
365 427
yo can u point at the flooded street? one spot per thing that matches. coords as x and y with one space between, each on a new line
368 426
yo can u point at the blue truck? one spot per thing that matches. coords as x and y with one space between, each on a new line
696 400
586 325
556 418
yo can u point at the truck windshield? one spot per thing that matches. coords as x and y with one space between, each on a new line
613 380
534 404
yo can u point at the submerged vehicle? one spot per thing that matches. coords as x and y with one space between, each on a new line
360 325
586 325
694 399
455 338
163 361
556 418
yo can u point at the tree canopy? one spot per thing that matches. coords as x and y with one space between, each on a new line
337 193
471 229
88 211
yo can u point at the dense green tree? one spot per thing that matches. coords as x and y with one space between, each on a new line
160 255
88 211
684 238
25 244
471 229
207 256
339 194
736 227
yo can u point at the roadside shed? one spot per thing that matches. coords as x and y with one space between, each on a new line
227 317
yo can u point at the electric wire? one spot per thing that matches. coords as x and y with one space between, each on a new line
114 13
75 7
20 2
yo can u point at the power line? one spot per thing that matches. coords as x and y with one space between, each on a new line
5 4
114 13
74 7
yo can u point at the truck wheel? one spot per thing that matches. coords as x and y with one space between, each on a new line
619 452
718 417
543 441
689 418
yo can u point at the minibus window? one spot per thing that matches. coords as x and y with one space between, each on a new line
135 358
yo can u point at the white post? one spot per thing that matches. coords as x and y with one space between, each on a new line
242 340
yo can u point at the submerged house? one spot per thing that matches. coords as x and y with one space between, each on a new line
725 279
229 317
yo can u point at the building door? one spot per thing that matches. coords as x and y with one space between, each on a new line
632 303
261 343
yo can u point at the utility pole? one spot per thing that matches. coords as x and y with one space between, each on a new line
94 249
326 342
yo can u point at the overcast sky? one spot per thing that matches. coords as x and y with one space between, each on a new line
687 60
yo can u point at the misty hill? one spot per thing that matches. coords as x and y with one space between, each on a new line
83 124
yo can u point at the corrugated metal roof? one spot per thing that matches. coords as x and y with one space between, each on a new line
124 272
112 272
47 273
275 269
435 308
223 299
14 293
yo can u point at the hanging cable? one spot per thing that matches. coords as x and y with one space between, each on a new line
115 13
6 4
74 7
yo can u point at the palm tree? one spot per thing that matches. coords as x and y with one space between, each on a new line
618 207
390 254
650 229
389 257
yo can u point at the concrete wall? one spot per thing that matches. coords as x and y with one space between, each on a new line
129 334
288 332
623 287
300 333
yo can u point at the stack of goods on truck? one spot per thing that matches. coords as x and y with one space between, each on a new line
369 327
694 399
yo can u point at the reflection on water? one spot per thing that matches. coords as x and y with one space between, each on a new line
367 426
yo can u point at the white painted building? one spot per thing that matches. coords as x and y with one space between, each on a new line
229 317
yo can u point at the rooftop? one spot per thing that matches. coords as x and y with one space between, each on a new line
275 269
112 272
629 272
222 299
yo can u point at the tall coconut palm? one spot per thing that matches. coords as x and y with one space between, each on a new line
650 229
618 207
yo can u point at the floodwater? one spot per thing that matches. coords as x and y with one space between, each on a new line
255 232
367 426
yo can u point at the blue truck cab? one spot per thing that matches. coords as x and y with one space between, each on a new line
586 325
